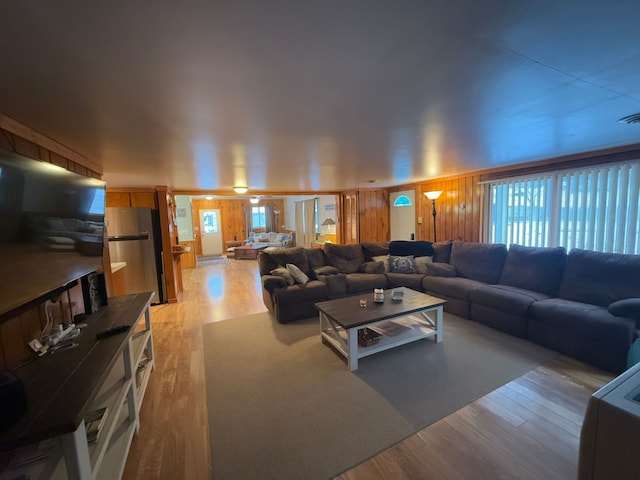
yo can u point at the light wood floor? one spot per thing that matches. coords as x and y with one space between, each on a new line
527 429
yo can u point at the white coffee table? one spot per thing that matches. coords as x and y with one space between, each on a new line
417 316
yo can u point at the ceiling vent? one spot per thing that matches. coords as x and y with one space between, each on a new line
631 119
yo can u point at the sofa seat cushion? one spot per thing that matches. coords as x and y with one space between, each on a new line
409 280
346 258
534 268
365 282
452 287
312 291
590 321
505 298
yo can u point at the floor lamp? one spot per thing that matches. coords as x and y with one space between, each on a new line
433 196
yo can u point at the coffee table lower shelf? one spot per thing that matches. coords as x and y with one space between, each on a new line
413 327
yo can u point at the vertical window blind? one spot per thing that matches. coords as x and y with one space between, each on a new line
595 208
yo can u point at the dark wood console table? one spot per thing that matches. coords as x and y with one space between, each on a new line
64 386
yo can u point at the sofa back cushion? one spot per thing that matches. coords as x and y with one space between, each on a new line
315 257
405 248
600 278
374 249
270 260
442 252
478 261
534 268
346 258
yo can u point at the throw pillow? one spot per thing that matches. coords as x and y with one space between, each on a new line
421 263
405 248
284 273
298 275
270 283
372 267
384 259
402 264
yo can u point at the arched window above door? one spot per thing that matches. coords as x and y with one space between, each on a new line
402 201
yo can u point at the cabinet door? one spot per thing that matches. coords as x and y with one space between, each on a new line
143 199
118 199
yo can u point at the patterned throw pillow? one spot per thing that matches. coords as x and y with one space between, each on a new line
298 275
284 273
402 264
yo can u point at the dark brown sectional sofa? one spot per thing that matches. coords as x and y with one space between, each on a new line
583 304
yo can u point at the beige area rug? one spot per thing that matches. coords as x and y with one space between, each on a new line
284 406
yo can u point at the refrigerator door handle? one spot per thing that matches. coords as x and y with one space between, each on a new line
123 238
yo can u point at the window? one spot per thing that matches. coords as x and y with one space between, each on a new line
402 201
210 221
258 217
596 208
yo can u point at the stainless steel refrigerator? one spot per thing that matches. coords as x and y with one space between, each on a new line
135 238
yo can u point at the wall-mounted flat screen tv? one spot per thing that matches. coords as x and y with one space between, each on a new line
51 229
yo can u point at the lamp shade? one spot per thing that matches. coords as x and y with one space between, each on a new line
433 195
240 189
328 221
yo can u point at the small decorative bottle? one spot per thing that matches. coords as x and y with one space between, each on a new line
378 295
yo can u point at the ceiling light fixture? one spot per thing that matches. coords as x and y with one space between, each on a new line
240 189
254 200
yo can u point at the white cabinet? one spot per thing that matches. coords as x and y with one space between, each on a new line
112 373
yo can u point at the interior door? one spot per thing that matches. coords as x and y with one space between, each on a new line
402 215
210 232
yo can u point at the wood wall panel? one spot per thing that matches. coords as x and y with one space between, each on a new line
458 210
373 212
118 197
349 222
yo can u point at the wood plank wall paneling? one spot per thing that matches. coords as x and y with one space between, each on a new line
458 210
349 222
373 211
17 331
118 197
232 217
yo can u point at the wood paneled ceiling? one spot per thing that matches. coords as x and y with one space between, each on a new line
326 95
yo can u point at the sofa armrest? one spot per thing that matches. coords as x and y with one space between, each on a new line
325 270
628 307
271 282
